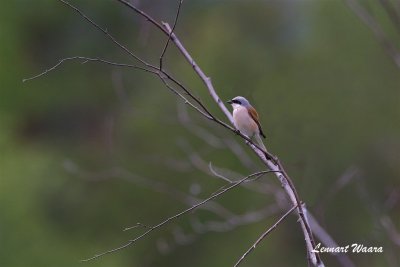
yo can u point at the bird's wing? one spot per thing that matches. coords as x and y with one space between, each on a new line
254 115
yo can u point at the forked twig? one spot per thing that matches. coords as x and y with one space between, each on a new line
84 61
163 74
268 159
169 36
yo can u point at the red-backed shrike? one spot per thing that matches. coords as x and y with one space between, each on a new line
245 118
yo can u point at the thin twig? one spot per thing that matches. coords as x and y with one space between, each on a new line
168 31
162 73
105 31
229 222
137 225
143 14
264 235
169 219
206 80
269 160
84 61
201 228
154 185
186 101
169 36
124 48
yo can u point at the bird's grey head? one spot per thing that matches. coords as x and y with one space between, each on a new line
239 100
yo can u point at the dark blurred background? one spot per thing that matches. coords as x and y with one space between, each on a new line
83 146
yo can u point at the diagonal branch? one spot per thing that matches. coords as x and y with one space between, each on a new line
162 73
104 31
169 35
206 80
168 31
264 235
176 216
129 52
268 159
186 101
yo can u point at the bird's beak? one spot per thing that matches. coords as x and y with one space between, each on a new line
229 102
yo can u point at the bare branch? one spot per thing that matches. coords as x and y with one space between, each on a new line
216 174
143 14
206 167
268 159
154 185
186 101
264 235
230 220
137 225
169 219
105 32
84 61
169 36
214 140
206 80
230 224
162 73
124 48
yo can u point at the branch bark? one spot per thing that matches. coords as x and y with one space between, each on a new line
276 166
174 217
269 160
273 227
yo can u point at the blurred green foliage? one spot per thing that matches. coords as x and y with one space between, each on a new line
327 94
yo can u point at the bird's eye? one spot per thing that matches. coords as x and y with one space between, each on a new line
236 101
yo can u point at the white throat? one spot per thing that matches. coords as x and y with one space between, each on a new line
236 106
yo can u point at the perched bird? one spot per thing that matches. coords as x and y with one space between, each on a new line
245 118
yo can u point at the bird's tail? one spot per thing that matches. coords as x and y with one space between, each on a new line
260 142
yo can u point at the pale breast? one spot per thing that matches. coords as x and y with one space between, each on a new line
243 121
